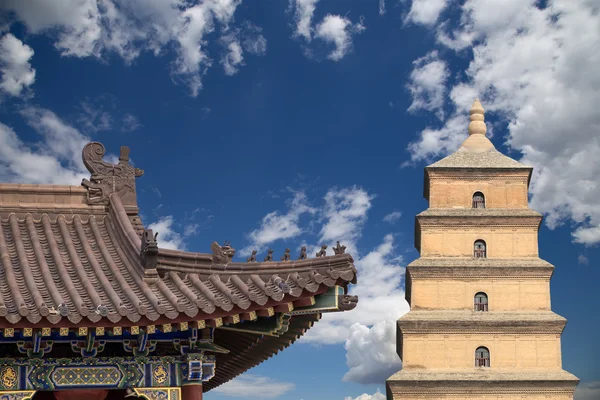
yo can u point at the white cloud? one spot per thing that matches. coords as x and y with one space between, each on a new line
233 58
583 260
17 73
246 385
90 28
588 391
304 10
168 237
345 213
426 12
532 67
55 159
427 84
434 143
392 217
381 7
277 226
375 396
333 29
371 352
338 31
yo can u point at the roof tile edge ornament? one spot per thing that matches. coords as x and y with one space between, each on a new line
149 250
222 254
347 302
108 178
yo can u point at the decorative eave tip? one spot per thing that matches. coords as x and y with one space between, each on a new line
477 117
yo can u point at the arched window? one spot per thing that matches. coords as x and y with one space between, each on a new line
479 249
478 200
482 357
481 302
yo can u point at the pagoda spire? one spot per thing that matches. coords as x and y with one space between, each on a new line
477 117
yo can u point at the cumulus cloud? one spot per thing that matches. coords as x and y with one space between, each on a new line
392 217
90 28
426 12
338 31
246 385
427 84
15 67
375 396
55 158
532 68
371 352
276 226
333 29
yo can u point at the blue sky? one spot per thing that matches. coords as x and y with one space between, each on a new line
276 124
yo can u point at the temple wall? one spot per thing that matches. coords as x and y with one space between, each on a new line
501 242
458 294
507 351
501 192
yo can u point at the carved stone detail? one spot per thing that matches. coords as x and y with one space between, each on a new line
222 254
323 251
303 255
286 255
252 257
149 250
269 256
347 302
339 249
108 178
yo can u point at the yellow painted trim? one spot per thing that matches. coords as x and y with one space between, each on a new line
28 394
173 393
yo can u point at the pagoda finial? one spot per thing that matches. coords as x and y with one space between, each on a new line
477 124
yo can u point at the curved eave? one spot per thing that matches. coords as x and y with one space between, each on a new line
247 350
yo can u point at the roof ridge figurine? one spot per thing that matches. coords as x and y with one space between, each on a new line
269 256
222 254
149 250
303 255
252 257
286 255
323 251
339 249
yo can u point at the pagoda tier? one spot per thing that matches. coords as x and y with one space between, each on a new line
88 299
480 324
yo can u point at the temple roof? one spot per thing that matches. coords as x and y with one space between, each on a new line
73 255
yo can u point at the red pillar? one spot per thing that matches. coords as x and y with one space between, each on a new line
191 392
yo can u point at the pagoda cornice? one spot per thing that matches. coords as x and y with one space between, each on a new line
484 323
466 217
436 384
479 268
